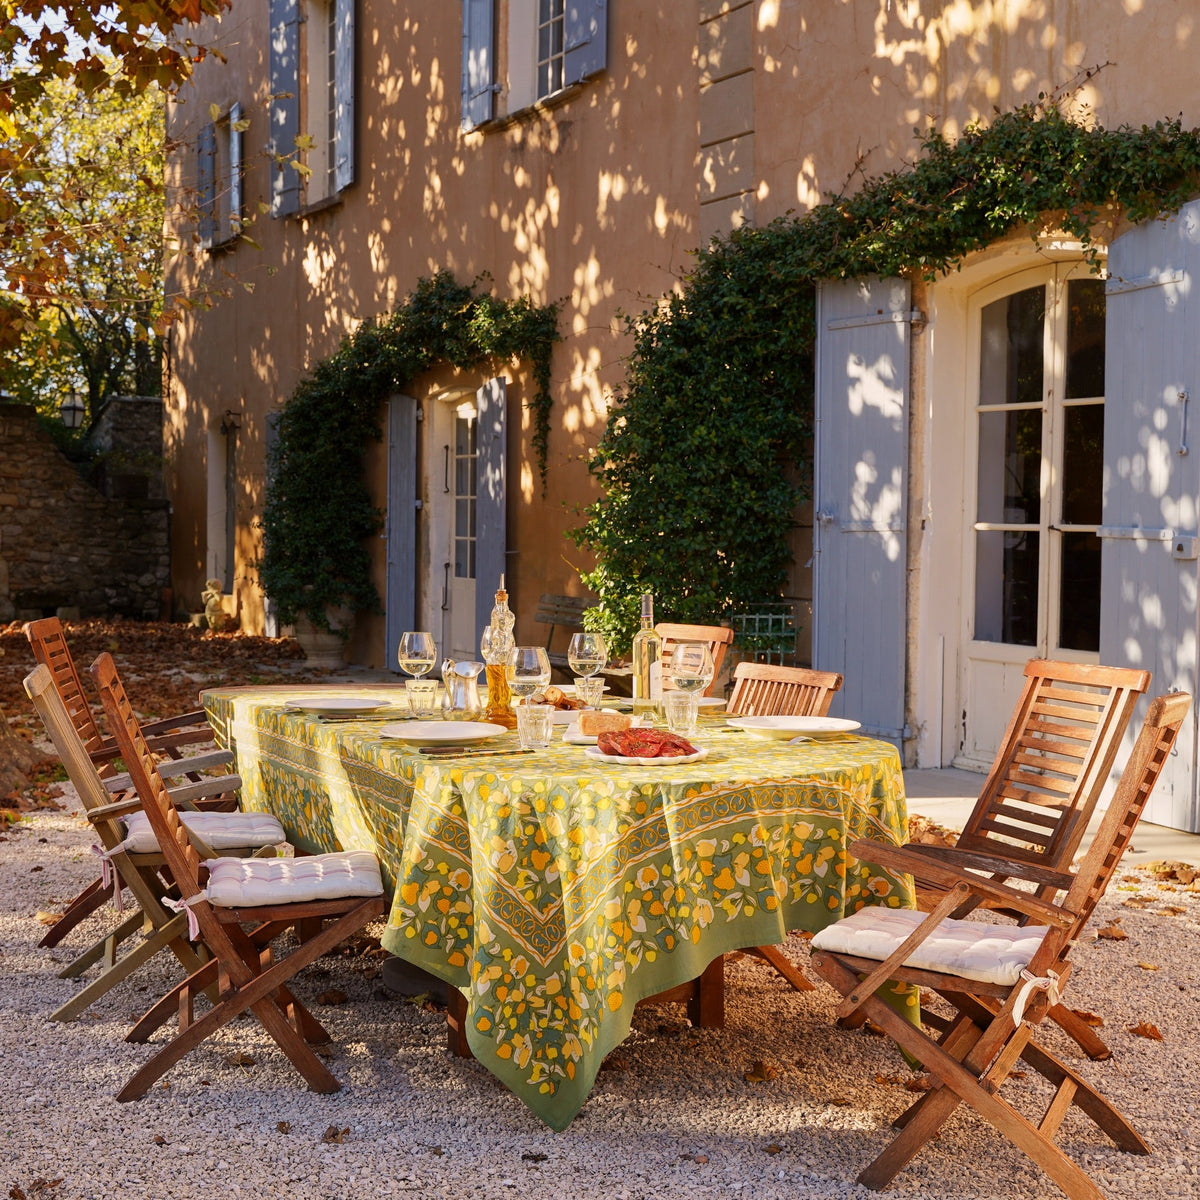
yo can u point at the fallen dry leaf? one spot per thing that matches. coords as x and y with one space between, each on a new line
49 918
336 1135
240 1059
1171 910
159 1140
1149 966
760 1072
920 1083
1089 1018
332 996
283 1126
1113 932
534 1156
773 1148
1146 1030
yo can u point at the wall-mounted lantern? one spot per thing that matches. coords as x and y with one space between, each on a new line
72 410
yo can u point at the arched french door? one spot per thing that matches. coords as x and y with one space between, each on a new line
1035 457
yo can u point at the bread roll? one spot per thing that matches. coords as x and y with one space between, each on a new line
592 723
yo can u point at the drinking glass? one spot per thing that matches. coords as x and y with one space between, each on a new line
535 725
417 653
587 653
528 670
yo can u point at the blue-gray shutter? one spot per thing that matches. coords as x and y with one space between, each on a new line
585 39
206 183
235 170
284 74
861 484
344 83
271 626
401 603
491 440
477 58
1148 565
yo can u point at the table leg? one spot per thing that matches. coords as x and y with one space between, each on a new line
456 1023
706 1008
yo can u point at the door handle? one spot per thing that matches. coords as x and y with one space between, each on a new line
825 517
446 587
1183 406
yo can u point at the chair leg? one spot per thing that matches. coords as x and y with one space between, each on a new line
97 950
258 993
936 1106
170 934
1088 1040
784 965
94 896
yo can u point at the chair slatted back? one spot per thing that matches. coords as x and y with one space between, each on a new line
1051 768
169 830
1146 761
49 644
762 690
41 689
718 638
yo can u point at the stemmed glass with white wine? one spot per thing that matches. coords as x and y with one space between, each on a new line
528 671
416 655
587 654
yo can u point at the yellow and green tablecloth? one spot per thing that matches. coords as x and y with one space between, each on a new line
556 891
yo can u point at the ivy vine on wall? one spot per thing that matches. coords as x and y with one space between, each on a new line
319 512
706 455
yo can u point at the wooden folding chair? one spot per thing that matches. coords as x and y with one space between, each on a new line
48 641
223 894
132 855
1000 980
718 638
761 690
1043 787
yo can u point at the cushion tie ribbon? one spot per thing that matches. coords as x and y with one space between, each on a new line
1031 984
186 905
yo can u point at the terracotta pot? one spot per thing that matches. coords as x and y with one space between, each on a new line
323 651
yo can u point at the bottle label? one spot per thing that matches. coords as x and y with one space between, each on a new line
656 682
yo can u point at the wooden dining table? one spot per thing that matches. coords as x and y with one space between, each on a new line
555 891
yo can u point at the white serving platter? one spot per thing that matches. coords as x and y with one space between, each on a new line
783 728
658 760
442 733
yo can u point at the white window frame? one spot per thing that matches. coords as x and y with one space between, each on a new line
1054 277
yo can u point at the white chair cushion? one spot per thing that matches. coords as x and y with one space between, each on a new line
221 830
248 882
970 949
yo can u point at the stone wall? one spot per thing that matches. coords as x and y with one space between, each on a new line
64 544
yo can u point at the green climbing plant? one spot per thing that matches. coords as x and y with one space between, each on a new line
706 454
318 512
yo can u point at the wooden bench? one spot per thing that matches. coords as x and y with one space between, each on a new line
556 611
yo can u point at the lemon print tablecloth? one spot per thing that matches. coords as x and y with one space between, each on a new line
556 891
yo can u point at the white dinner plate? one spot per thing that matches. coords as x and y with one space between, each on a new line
658 761
335 706
710 701
782 728
441 733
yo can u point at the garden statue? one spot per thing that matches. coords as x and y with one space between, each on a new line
214 611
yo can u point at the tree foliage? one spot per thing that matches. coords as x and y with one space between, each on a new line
101 172
120 47
319 513
701 464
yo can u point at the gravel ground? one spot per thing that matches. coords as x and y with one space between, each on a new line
672 1113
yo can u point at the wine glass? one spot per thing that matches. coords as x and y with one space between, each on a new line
587 653
528 671
692 667
417 653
